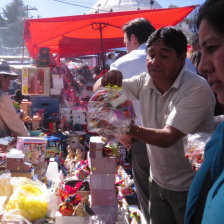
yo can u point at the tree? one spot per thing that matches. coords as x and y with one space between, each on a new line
13 18
173 6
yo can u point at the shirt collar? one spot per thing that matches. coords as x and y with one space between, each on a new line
142 47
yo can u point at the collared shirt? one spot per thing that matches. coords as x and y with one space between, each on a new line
187 106
134 63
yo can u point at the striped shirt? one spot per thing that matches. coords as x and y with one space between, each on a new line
187 106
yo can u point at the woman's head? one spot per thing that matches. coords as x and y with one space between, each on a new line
211 39
212 11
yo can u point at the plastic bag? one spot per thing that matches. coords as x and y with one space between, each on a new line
110 112
194 145
29 197
14 216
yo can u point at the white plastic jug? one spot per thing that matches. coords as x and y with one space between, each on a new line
52 170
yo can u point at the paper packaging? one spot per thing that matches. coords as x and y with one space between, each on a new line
14 164
33 147
95 154
56 92
57 81
35 80
103 197
107 165
79 121
66 110
15 161
78 110
96 143
102 181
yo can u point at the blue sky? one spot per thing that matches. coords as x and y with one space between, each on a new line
54 8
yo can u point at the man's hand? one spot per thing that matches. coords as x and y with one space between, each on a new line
113 77
125 140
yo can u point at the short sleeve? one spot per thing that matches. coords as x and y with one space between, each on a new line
192 109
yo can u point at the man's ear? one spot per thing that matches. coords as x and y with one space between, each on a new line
134 41
133 38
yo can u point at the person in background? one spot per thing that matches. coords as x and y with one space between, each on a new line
136 33
195 59
205 200
174 102
110 58
10 123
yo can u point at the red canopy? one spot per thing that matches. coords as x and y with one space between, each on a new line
72 36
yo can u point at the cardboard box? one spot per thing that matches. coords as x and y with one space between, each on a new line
48 104
106 165
15 161
33 147
17 164
96 143
23 174
35 80
95 154
103 197
40 170
102 181
66 110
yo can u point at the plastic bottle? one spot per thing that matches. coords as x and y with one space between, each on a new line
52 170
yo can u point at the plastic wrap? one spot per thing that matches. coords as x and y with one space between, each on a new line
194 145
29 197
14 216
110 112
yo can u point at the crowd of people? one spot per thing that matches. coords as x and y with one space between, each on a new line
173 97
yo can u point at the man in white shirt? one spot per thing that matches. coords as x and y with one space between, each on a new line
136 33
174 102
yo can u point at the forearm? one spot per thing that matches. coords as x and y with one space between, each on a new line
160 137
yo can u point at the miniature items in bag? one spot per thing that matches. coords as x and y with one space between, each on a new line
110 112
195 146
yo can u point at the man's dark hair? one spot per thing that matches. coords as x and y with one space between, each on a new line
140 27
213 12
172 37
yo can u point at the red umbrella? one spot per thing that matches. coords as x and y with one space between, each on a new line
72 36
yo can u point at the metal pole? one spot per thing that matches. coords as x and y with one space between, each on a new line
102 47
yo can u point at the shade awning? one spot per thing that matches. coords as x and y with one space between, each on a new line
72 36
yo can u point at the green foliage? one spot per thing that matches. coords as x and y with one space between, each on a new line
173 6
13 19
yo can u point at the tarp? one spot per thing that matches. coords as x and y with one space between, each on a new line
72 36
